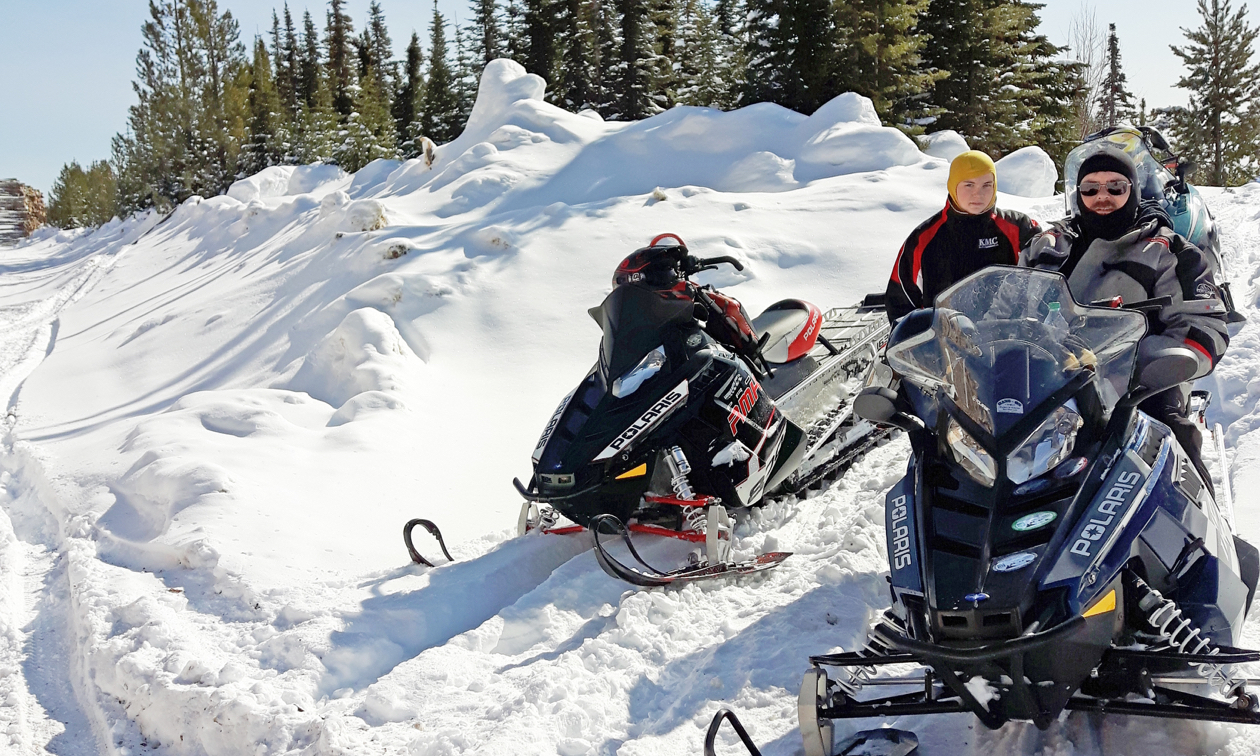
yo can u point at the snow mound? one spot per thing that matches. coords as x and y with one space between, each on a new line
946 145
284 181
1027 172
365 353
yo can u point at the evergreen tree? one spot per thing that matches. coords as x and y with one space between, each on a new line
664 35
632 74
284 49
369 132
879 56
486 37
515 31
467 70
575 87
268 142
790 48
1115 101
84 199
308 70
338 41
540 38
699 72
605 56
1220 129
439 118
318 128
407 104
380 49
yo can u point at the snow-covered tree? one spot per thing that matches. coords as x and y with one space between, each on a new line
575 86
633 74
84 198
439 118
308 69
790 46
269 138
700 78
339 68
486 37
407 104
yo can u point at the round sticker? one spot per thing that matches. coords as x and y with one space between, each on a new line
1071 467
1032 486
976 597
1014 562
1034 521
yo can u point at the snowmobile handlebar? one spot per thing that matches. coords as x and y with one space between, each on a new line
693 265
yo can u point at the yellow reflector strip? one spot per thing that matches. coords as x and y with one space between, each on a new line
1105 604
636 472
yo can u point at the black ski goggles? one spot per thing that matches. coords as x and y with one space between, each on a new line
1115 187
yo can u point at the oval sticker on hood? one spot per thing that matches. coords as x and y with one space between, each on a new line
1034 521
1014 562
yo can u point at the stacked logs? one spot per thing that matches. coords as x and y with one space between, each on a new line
21 210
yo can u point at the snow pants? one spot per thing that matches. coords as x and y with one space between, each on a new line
1172 408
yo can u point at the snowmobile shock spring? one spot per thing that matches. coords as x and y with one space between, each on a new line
679 467
1179 632
860 676
695 519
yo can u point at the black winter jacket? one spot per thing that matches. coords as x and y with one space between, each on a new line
950 246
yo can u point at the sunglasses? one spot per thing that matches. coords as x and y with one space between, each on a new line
1115 187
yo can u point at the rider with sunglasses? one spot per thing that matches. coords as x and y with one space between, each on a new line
1114 246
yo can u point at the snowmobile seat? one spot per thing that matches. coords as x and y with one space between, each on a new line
792 326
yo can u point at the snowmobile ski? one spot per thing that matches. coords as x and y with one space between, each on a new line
433 531
650 577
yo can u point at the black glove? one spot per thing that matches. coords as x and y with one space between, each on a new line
1153 209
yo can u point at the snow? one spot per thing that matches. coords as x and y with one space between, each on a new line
1027 172
946 144
219 420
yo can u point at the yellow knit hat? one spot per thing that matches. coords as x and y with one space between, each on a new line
971 164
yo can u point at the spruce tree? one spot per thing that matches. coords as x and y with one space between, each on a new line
369 133
515 31
1115 101
467 73
664 35
380 49
699 74
632 76
338 41
879 56
318 128
486 37
540 38
575 87
1220 129
309 64
288 88
439 117
406 110
790 46
605 56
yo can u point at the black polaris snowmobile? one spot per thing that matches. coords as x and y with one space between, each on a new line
692 409
1051 547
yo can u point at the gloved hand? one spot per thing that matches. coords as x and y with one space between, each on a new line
1152 209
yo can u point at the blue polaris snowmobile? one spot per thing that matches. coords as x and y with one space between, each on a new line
1050 546
1163 177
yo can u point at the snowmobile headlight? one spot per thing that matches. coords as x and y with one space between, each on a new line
978 463
1049 445
647 367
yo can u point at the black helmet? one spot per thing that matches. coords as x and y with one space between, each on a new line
656 265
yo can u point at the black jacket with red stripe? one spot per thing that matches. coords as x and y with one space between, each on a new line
950 246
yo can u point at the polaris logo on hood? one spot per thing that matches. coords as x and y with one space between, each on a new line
1117 499
654 415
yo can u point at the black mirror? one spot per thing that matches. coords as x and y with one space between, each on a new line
1186 169
1167 367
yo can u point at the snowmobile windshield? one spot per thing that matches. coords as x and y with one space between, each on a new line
1152 176
1004 339
635 320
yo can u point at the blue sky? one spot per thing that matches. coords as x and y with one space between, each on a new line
69 63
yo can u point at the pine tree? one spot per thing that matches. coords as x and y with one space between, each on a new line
268 142
1220 129
380 49
439 119
407 104
338 41
790 48
318 129
369 132
664 34
84 198
486 37
1115 101
515 31
285 55
879 56
308 69
632 75
467 72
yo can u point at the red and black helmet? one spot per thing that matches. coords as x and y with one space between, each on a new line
656 266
